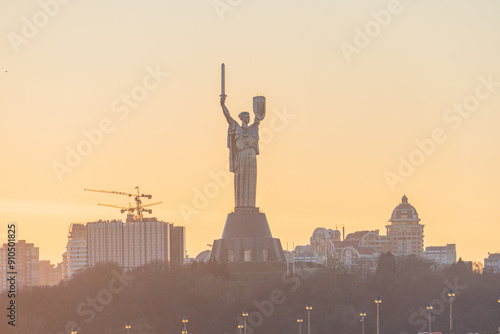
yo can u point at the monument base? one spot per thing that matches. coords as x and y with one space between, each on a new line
247 237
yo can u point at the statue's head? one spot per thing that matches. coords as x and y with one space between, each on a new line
244 116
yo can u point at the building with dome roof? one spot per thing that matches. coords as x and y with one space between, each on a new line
361 249
405 231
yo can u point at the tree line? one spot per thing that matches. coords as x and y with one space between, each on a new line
155 298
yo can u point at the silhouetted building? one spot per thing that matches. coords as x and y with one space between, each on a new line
56 274
441 254
358 249
145 242
303 254
404 231
132 243
26 266
64 265
50 274
177 244
492 263
76 249
44 266
322 241
105 242
363 248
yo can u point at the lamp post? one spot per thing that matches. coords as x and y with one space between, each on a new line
299 321
127 327
378 301
429 308
245 315
185 321
240 327
363 315
309 308
451 294
498 300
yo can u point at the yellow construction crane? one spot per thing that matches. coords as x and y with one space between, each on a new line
139 207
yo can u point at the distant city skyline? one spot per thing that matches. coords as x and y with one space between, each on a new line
404 220
366 101
287 245
135 243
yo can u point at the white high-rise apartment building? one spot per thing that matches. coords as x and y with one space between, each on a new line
76 249
145 242
105 242
129 244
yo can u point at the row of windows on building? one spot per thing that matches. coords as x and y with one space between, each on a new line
248 255
130 244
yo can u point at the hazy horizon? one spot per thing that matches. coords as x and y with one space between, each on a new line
345 107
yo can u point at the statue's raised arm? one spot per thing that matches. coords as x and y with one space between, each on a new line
225 111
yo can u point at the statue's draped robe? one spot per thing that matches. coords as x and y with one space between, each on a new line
243 144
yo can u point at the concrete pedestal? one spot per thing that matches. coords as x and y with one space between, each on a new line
247 237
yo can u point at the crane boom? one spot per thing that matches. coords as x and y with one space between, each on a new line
151 204
109 192
139 207
114 206
121 193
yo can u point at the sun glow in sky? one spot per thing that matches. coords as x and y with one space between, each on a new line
366 101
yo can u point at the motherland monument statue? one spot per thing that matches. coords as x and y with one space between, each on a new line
246 235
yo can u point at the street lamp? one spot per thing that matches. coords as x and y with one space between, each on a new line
299 321
309 308
185 321
451 294
240 327
378 301
127 327
245 315
429 308
363 315
498 300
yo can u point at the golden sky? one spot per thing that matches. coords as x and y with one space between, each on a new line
366 101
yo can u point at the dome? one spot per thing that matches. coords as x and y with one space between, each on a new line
404 211
203 256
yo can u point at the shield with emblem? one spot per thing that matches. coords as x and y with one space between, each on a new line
259 107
